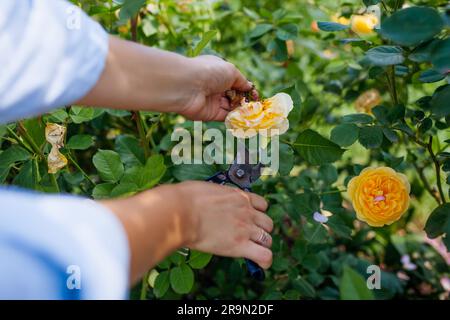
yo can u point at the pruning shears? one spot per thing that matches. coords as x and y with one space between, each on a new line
242 174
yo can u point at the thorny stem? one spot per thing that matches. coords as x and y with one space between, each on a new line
74 162
137 114
425 182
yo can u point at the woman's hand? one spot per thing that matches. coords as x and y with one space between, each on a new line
136 77
227 221
201 215
213 77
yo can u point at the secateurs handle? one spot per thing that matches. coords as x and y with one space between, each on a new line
255 271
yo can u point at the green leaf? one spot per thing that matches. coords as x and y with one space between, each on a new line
182 279
304 288
286 154
306 203
331 26
27 176
146 176
80 142
58 115
184 172
103 190
13 155
385 55
81 114
371 2
353 286
316 149
422 53
328 173
287 32
440 56
130 8
439 222
207 37
339 227
371 137
345 134
439 103
412 26
36 130
124 189
390 134
430 75
108 165
199 260
130 150
260 30
162 284
360 118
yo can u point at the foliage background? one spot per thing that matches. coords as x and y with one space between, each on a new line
114 153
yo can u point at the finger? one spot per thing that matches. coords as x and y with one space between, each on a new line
221 108
240 82
260 236
257 253
263 221
258 202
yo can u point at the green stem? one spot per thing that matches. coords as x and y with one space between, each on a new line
142 134
74 162
331 192
24 133
437 167
54 182
144 287
394 86
19 141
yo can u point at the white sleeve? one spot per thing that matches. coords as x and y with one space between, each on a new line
51 55
60 247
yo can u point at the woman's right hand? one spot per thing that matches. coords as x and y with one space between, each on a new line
227 221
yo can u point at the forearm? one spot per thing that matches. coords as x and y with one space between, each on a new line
139 77
155 225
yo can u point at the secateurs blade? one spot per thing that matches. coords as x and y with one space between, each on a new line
242 174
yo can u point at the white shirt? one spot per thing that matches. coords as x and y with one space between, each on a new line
54 246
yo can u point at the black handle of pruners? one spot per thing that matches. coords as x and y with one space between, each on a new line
255 271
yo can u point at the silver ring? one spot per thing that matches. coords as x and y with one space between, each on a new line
263 237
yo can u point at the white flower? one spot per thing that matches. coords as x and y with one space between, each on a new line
267 117
317 216
407 264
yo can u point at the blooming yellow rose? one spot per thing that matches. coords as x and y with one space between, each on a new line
367 100
252 117
379 195
364 24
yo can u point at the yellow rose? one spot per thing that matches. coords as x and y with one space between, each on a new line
379 195
342 20
367 100
252 117
364 24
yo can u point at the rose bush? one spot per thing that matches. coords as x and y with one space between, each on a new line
324 60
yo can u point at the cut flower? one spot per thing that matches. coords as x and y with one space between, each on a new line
267 117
